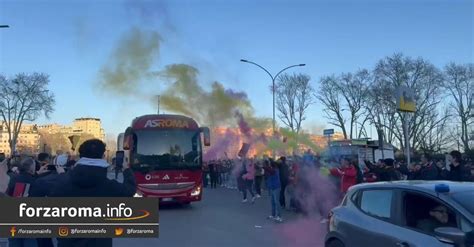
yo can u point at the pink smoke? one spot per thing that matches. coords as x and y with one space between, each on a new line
302 232
317 195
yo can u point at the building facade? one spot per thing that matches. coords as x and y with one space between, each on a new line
28 139
91 126
80 126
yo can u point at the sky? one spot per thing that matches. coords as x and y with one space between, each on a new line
72 40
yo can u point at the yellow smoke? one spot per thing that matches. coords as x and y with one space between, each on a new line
186 96
130 62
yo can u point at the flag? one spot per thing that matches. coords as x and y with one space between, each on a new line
244 150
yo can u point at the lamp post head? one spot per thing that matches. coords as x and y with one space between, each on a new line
4 26
302 64
243 60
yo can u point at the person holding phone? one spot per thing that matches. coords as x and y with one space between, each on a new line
89 179
44 166
45 183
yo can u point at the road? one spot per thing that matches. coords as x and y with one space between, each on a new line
220 219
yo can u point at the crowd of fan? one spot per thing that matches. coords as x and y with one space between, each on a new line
251 175
64 175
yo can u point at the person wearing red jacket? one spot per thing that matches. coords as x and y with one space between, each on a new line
348 174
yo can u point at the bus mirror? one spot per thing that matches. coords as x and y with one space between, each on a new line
127 139
127 142
207 136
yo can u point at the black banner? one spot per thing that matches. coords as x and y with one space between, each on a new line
79 217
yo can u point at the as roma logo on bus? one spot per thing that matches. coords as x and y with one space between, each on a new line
166 123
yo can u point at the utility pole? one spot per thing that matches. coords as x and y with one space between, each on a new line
407 105
407 137
274 78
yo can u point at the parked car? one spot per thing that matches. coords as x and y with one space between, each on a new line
404 214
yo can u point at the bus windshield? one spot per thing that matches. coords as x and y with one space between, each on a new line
167 149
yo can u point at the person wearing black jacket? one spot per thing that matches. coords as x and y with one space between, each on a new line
384 171
43 160
402 168
213 174
426 171
375 170
89 179
389 173
284 170
458 172
44 184
442 171
26 177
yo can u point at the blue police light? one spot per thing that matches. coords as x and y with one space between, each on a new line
442 188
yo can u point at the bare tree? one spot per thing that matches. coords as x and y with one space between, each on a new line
329 95
459 83
294 95
424 79
434 135
379 114
354 89
24 97
54 142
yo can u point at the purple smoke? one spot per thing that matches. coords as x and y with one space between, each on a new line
222 146
244 127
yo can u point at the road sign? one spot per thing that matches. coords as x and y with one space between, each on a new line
359 142
328 132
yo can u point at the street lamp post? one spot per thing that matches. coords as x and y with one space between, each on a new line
273 85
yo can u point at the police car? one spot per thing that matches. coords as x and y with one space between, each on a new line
404 214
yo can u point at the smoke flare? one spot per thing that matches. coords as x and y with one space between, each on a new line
130 62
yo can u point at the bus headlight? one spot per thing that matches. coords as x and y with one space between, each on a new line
196 191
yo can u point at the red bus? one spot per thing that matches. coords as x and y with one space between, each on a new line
165 153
